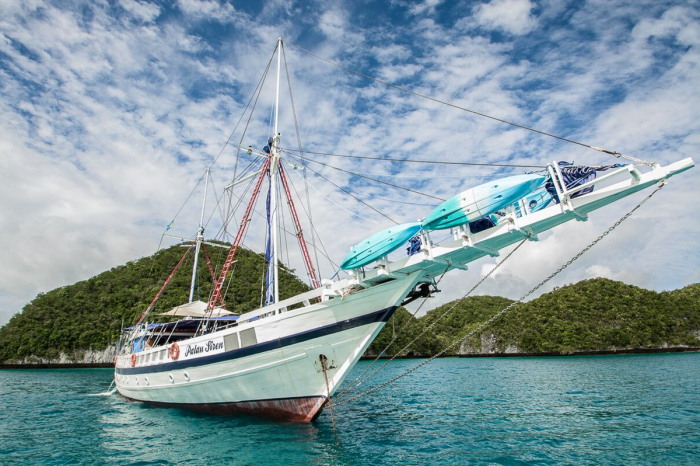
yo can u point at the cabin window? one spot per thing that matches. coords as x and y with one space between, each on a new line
248 338
231 342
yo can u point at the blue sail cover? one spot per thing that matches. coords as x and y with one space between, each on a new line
269 276
574 176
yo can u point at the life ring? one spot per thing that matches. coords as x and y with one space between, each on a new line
174 351
133 360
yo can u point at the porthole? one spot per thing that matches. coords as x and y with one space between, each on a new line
145 379
136 379
170 376
187 376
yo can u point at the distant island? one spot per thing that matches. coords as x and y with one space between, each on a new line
79 324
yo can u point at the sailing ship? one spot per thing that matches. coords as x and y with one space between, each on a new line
287 358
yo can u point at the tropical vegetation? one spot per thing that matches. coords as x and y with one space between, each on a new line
591 315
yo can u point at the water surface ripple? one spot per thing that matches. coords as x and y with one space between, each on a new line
632 409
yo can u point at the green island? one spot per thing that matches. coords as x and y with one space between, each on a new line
80 323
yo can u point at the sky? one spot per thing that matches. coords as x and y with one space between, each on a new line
111 111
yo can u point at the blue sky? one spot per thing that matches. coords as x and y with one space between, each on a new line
111 111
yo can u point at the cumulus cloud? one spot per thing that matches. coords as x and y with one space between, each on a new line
143 10
424 7
210 10
109 116
511 16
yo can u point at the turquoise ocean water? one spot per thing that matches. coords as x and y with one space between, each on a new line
633 409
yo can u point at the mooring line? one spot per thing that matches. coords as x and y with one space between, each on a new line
443 314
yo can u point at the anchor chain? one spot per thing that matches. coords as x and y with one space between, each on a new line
324 366
354 384
509 307
425 330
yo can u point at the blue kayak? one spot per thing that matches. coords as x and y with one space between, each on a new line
379 245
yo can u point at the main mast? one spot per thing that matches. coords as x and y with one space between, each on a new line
200 239
274 168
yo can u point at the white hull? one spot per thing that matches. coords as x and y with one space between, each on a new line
281 375
270 363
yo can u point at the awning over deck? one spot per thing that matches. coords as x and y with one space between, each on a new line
196 309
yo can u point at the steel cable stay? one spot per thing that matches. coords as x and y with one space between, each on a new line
372 179
255 94
258 88
239 202
425 330
318 191
496 316
307 210
484 115
389 200
352 385
233 208
422 175
353 196
313 227
431 162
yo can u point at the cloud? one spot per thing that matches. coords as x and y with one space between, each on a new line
143 10
425 7
211 10
109 117
510 16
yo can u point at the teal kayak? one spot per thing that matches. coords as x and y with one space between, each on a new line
481 201
379 245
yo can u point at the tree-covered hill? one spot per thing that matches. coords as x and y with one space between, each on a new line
592 315
89 314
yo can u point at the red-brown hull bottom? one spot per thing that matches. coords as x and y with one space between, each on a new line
289 409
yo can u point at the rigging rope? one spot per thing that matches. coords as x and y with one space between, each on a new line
507 308
373 179
474 112
353 196
313 227
298 134
323 252
352 385
425 330
355 214
434 162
